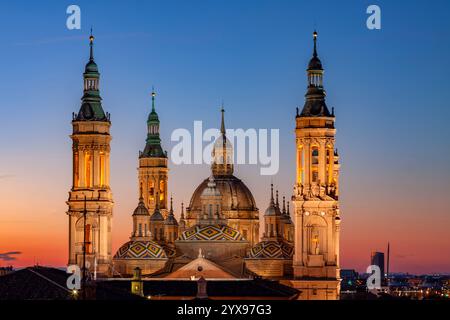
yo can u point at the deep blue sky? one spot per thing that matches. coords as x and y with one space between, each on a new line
389 87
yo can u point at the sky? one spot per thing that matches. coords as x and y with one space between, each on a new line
389 88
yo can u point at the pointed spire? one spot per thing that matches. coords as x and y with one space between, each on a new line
171 205
284 205
315 43
288 212
222 124
91 45
182 211
271 194
153 99
277 203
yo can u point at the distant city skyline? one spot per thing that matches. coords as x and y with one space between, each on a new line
389 88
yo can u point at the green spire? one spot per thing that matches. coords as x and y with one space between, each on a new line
153 100
153 142
91 45
91 102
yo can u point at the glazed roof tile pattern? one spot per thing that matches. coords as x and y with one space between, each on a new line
271 250
140 249
170 251
211 233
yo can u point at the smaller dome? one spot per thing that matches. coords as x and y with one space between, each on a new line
157 216
91 67
271 211
171 220
140 249
315 64
141 210
211 233
153 117
271 250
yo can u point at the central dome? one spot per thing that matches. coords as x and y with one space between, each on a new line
235 195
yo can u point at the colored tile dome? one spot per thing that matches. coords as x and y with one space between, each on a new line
271 250
211 233
140 249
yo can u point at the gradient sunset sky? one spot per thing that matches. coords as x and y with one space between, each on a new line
389 88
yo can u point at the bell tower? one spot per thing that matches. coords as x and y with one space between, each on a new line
153 171
315 198
90 198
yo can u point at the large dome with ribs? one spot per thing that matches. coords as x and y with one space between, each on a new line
235 197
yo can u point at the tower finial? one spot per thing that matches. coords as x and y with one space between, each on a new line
277 203
171 204
271 194
91 45
182 210
222 124
153 98
284 204
315 43
140 193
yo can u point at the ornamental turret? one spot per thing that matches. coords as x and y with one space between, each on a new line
153 170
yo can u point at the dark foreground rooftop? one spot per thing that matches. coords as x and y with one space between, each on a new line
41 283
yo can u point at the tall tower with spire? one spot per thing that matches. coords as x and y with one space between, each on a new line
315 198
90 196
153 170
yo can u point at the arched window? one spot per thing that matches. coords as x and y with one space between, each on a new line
162 186
315 155
88 169
76 172
151 190
102 168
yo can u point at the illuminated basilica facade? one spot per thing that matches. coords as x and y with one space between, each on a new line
217 235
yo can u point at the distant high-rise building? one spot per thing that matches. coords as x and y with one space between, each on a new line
377 259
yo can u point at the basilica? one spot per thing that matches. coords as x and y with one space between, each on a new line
217 234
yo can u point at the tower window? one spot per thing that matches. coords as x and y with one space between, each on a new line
151 191
102 169
162 192
315 156
88 169
315 176
76 173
